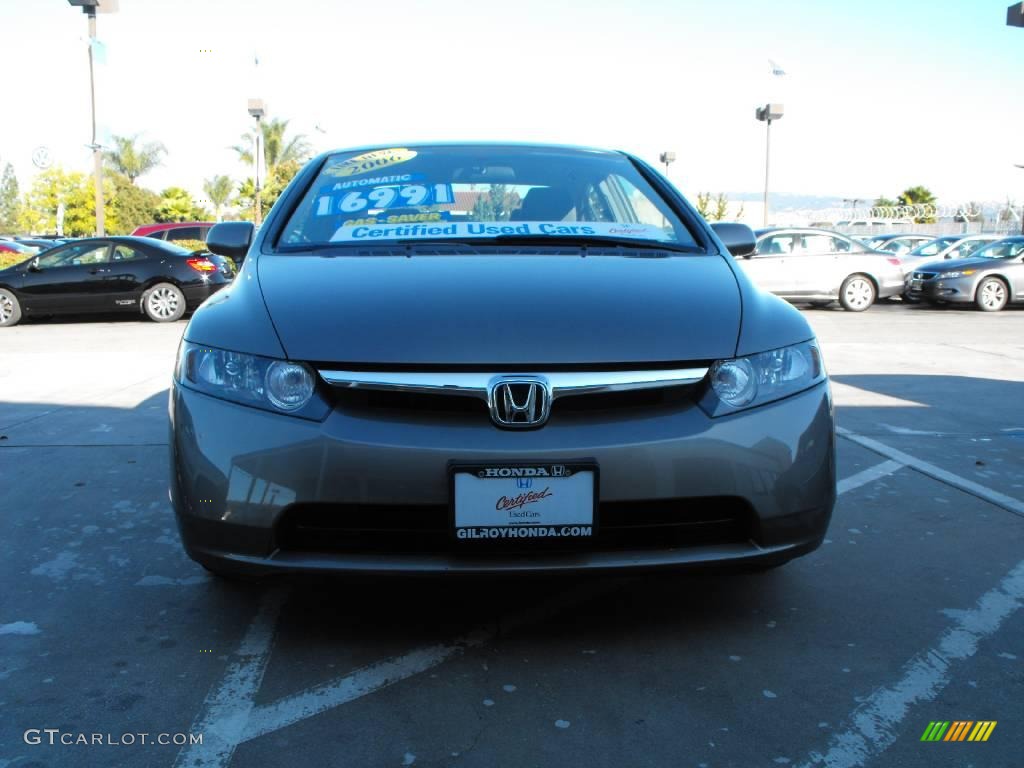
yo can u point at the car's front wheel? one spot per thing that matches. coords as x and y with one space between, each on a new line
991 295
857 293
164 303
10 308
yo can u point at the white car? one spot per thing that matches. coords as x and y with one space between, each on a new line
818 267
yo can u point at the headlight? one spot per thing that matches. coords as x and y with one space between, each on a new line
746 382
952 275
261 382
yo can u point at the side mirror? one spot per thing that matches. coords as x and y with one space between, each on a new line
738 239
33 266
231 239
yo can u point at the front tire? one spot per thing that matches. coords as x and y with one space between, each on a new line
857 293
991 296
164 303
10 309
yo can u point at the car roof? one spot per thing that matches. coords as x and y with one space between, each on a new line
126 239
161 226
809 230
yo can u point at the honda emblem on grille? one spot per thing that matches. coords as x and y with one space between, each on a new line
518 403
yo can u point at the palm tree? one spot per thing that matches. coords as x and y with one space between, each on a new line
919 196
134 160
218 189
276 150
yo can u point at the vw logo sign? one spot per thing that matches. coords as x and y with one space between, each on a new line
518 403
41 158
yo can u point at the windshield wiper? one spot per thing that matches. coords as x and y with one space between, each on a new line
596 241
577 241
572 241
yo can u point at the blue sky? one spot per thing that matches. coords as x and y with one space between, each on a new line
878 96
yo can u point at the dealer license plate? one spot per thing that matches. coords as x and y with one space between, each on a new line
523 502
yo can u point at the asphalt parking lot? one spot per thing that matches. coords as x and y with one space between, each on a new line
908 614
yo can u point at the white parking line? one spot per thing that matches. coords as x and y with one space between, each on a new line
228 716
225 712
874 723
962 483
866 476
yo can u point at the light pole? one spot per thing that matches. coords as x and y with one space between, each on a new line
667 158
257 109
1019 165
89 8
766 114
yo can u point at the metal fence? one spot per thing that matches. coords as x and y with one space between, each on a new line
950 227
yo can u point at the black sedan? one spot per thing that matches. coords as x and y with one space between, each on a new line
113 273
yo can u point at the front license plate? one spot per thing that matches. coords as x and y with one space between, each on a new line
523 502
915 285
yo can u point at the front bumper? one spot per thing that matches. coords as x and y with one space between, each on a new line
936 289
238 473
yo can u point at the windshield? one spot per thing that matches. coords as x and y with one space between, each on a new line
481 193
933 247
1003 249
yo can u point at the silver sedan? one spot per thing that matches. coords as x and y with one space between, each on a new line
818 267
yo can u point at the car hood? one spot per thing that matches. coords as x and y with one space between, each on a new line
487 309
956 265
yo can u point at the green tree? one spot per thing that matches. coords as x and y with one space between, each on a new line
133 205
219 190
919 196
38 212
885 202
496 205
132 159
277 148
278 179
176 204
8 200
714 208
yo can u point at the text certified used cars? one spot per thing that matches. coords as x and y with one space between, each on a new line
495 358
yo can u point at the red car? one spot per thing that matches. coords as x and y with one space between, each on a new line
178 230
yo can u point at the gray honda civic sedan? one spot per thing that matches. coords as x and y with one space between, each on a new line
487 358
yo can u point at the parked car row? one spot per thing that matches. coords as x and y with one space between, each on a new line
819 267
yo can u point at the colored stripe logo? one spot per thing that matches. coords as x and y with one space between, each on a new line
959 730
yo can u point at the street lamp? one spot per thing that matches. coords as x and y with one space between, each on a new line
667 158
766 114
1021 166
257 109
90 8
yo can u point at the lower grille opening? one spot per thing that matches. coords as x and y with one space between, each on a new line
621 525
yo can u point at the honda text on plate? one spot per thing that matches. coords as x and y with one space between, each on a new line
494 358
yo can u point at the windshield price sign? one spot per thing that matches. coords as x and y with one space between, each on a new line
382 198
